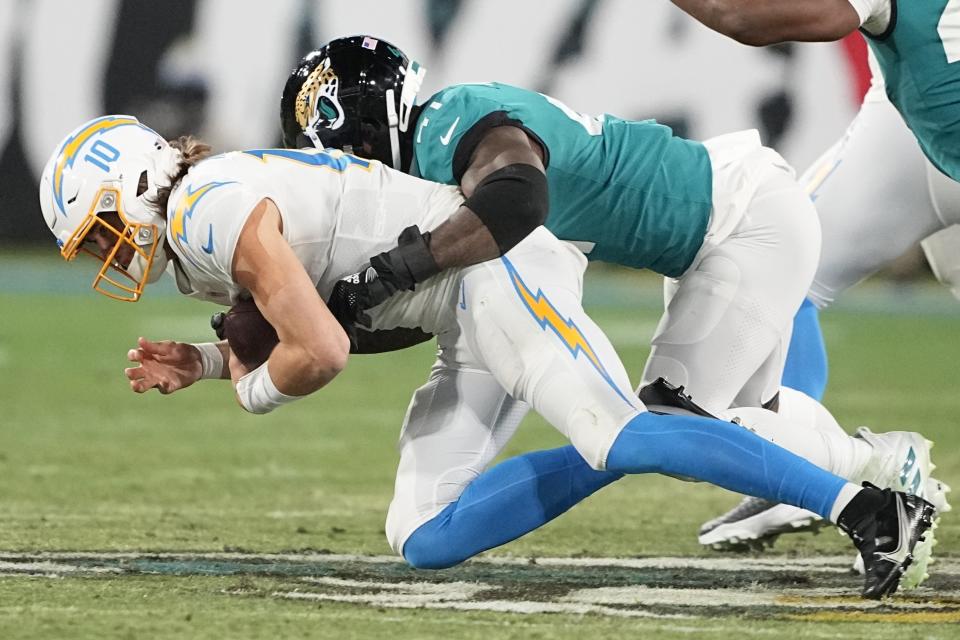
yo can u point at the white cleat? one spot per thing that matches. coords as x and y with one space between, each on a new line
755 524
935 492
900 461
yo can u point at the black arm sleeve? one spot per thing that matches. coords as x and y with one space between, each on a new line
511 202
474 135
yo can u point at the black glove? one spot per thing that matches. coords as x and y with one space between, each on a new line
353 295
399 269
410 262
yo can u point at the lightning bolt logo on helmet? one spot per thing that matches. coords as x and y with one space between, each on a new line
318 102
96 192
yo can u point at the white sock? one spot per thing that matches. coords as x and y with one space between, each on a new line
830 449
847 493
847 456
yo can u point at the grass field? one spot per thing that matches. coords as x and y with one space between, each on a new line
181 516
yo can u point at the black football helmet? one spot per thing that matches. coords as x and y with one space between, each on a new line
354 94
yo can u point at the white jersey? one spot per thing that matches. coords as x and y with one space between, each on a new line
337 210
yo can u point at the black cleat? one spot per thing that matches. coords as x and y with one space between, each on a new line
663 396
886 538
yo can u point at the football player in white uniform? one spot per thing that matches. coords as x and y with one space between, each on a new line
283 226
890 182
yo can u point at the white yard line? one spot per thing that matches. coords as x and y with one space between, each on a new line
496 595
774 563
403 601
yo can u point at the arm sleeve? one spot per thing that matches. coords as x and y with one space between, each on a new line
468 143
206 223
452 125
875 15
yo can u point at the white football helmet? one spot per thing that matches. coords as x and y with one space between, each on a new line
112 164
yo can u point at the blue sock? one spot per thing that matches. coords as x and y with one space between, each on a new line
503 503
806 365
723 454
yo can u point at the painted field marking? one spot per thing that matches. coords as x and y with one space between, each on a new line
663 588
947 566
400 601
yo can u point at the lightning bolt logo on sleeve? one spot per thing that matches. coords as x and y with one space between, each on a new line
184 211
567 331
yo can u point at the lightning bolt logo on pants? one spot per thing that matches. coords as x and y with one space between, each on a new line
567 331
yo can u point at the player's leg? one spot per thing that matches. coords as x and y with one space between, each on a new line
806 367
872 198
898 459
447 506
722 334
943 248
523 320
871 195
943 254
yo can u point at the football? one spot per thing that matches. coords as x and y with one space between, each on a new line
250 336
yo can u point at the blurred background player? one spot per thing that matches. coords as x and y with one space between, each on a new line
282 226
890 182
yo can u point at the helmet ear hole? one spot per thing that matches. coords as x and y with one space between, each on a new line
143 185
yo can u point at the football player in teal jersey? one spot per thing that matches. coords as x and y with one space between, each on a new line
723 220
888 183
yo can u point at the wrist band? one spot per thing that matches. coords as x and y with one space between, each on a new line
258 394
211 359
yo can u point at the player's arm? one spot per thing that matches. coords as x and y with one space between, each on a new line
506 187
313 347
762 22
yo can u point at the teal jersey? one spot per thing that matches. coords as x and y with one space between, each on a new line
919 55
639 195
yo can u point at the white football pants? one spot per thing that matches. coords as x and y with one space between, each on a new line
726 328
520 338
876 195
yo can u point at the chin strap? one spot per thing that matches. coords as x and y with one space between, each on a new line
311 132
393 121
400 122
413 80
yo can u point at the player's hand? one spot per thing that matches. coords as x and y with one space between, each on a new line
399 269
166 366
353 295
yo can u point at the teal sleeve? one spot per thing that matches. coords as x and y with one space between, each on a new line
444 123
